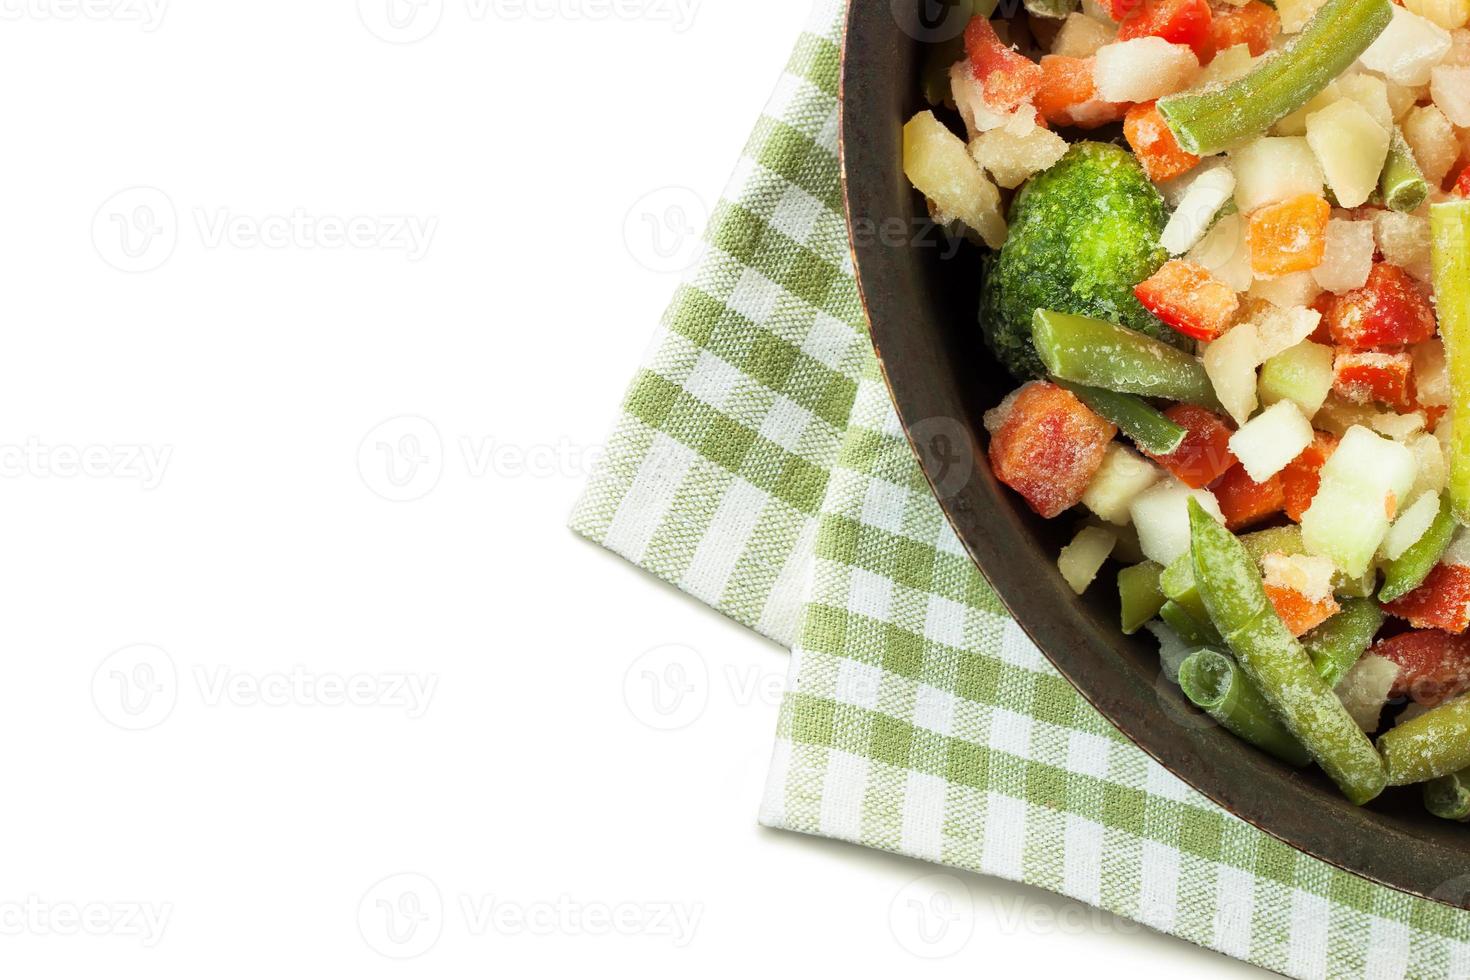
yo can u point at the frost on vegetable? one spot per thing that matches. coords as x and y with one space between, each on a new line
1080 561
1121 478
1143 69
939 165
1348 256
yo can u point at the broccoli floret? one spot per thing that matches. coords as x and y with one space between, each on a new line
1082 235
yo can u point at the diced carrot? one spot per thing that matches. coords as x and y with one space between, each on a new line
1243 501
1302 476
1433 666
1007 76
1442 602
1254 24
1068 97
1374 376
1462 185
1205 454
1047 446
1290 236
1154 144
1297 612
1189 298
1390 309
1176 21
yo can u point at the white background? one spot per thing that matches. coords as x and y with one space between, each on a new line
194 471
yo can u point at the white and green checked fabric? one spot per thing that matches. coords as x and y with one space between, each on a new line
758 465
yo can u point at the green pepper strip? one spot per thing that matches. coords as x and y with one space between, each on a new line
1448 797
1214 119
1338 643
1271 657
1215 684
1449 230
1434 744
1139 595
1402 186
1409 570
1140 421
1104 355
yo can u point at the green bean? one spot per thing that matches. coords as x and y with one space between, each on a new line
1338 643
1139 595
1215 683
1449 233
1409 570
1104 355
1140 421
1271 657
1402 186
1434 744
1448 797
1209 120
1195 632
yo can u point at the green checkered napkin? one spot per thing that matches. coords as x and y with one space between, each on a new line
759 466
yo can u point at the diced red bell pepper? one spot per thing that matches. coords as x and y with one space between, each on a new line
1364 376
1007 76
1290 236
1462 185
1254 24
1154 144
1302 476
1176 21
1389 310
1442 602
1205 454
1047 446
1243 501
1298 612
1433 666
1068 97
1189 298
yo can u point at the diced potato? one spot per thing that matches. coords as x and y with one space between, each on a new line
1349 256
1430 471
1448 14
1362 484
1370 92
1197 208
1229 65
1450 87
1431 373
1081 36
1363 691
1407 49
1398 427
1294 289
1011 159
1404 241
1351 147
1081 560
1402 98
1161 517
1309 575
1143 69
1225 252
1410 526
1124 475
1459 47
1266 443
1433 141
1301 375
1281 329
938 163
1337 415
1295 123
1296 14
1231 365
1274 169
